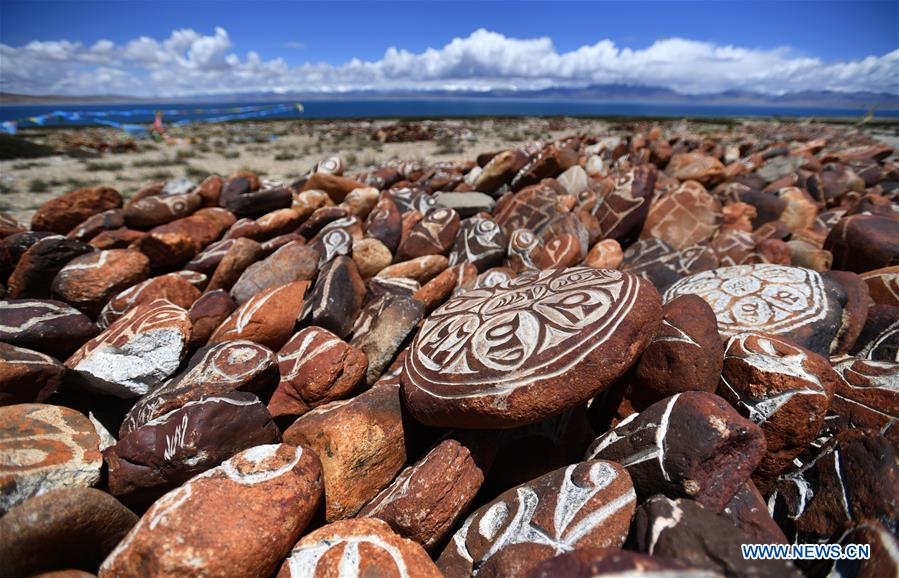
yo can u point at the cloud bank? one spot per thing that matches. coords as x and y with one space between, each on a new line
190 63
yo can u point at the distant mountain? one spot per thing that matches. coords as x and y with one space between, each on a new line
603 93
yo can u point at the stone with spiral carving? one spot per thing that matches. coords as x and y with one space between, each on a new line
529 348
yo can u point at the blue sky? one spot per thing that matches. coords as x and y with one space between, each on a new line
176 48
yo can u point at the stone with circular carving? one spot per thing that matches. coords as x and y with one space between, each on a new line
45 447
790 302
527 349
366 547
237 519
480 242
433 235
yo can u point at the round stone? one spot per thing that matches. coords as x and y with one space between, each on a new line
791 302
528 348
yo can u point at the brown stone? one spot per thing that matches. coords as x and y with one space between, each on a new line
207 260
65 212
336 186
89 281
51 327
605 254
254 202
37 266
218 369
527 252
241 254
45 447
530 208
434 234
365 547
210 190
865 397
93 226
316 367
238 519
336 298
385 224
294 262
371 256
548 163
267 318
748 511
360 443
65 528
136 353
14 246
27 376
499 170
480 242
706 170
427 498
171 287
170 449
609 562
684 530
626 204
117 239
179 241
691 445
459 374
382 327
685 355
879 338
883 285
587 504
421 269
862 243
783 388
685 217
154 210
438 289
207 313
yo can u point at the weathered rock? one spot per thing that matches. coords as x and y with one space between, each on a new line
51 327
172 287
207 313
170 449
136 353
685 217
863 243
93 226
291 263
611 562
117 239
316 367
433 235
336 186
336 299
207 260
89 281
421 269
424 502
497 357
748 511
65 528
784 389
370 256
854 477
883 285
480 242
466 204
268 318
798 304
253 203
45 447
27 376
866 397
331 244
241 254
527 252
65 212
37 266
686 354
530 208
154 210
179 241
238 519
879 338
624 207
696 166
882 561
500 170
588 504
14 246
684 530
218 369
385 224
691 444
549 162
361 444
365 547
381 329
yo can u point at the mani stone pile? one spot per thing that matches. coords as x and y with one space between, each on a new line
601 356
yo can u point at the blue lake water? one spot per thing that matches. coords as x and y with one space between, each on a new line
398 108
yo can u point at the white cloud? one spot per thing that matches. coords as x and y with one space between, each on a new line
188 62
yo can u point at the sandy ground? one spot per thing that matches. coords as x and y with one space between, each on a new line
279 150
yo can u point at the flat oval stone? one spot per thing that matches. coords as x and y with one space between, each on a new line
172 287
136 353
237 519
89 281
587 504
66 528
38 265
524 350
65 212
44 448
366 547
267 318
51 327
791 302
